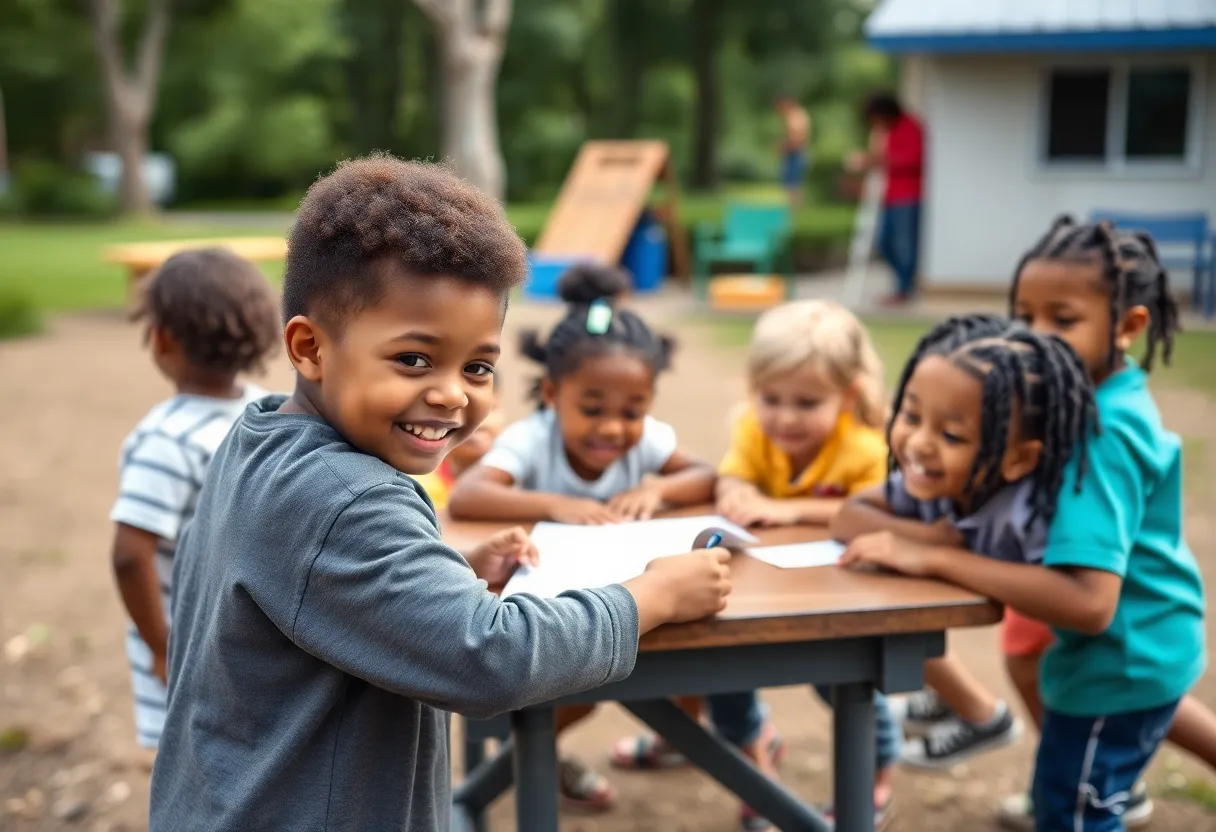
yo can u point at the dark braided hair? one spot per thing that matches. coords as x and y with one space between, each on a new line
1037 380
216 305
576 337
1132 271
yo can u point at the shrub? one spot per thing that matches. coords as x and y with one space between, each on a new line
18 316
47 189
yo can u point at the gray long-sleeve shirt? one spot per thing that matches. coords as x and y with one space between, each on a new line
321 631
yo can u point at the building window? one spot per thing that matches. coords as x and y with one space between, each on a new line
1116 115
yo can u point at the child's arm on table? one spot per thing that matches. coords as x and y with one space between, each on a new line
134 559
487 493
1071 598
869 511
387 601
682 481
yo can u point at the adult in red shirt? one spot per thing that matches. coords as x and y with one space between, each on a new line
901 154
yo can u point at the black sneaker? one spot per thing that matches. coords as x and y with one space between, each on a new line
953 741
920 712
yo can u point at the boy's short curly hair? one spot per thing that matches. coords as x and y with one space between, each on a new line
218 307
377 211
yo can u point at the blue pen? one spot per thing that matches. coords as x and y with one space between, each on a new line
714 540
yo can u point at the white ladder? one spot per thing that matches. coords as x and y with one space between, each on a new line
865 226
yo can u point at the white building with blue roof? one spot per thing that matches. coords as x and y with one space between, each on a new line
1033 108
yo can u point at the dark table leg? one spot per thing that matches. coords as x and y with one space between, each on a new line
535 770
726 765
853 751
483 785
474 753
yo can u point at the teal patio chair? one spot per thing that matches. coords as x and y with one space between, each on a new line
758 235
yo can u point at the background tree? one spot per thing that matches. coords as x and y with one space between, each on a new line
471 35
130 91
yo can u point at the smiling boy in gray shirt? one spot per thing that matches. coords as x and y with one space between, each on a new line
321 629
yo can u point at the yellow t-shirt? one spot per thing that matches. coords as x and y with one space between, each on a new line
435 487
854 457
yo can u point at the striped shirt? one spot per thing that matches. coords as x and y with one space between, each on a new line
161 471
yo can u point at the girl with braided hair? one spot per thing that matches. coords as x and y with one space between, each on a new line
1102 560
1101 291
591 453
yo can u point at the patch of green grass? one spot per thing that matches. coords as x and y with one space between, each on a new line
61 266
893 339
19 315
1193 363
1202 792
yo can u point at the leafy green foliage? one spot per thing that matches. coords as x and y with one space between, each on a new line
18 316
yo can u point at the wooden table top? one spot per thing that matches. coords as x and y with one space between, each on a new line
147 256
768 604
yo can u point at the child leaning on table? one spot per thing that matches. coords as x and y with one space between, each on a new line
322 628
591 453
1085 536
209 316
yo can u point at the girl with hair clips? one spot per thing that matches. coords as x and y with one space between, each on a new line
1100 556
591 453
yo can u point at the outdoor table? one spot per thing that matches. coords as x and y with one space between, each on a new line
141 258
852 631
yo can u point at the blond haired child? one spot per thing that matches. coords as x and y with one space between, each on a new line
811 433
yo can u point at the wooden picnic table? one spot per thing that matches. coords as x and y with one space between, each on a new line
853 631
141 258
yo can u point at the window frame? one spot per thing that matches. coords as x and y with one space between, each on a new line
1116 161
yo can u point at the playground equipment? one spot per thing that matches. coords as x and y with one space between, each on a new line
602 203
141 258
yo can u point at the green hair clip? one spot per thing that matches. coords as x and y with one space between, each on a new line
599 317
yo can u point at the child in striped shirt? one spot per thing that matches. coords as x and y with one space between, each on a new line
209 316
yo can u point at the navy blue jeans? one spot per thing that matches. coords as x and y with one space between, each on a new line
899 244
738 718
1086 767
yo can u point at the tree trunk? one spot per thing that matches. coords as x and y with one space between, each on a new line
130 139
471 38
130 94
705 21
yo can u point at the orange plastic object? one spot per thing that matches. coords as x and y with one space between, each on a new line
744 292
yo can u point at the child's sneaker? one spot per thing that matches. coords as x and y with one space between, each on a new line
1017 810
955 740
919 712
583 788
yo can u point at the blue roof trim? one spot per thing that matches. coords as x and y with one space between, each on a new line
961 43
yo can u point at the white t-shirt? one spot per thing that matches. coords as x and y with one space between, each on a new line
163 464
532 452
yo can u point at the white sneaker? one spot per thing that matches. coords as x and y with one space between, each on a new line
1017 810
920 712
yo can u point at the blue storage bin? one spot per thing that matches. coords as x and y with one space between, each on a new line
544 272
645 254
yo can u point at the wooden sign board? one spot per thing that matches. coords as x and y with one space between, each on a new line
602 199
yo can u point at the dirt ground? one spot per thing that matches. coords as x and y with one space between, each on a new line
67 754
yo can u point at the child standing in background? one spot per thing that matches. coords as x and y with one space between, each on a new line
591 454
209 316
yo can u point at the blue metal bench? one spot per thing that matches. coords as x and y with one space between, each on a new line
1184 240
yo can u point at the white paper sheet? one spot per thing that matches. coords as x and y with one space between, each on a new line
580 557
800 555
